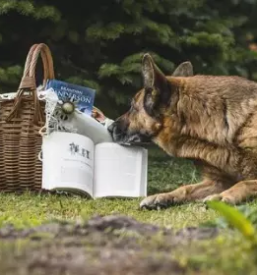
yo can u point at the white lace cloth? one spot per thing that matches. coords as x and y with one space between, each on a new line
56 120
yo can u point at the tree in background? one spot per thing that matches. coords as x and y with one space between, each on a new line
100 43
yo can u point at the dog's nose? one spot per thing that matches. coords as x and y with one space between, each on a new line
111 127
115 130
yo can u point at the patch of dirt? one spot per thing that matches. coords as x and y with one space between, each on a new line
102 245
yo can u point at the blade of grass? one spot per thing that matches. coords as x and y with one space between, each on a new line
234 217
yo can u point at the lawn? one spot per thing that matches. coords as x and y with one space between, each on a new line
164 174
227 253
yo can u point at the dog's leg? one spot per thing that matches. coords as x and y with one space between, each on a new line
214 182
238 193
185 193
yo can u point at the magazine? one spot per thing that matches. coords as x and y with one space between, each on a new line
73 162
82 96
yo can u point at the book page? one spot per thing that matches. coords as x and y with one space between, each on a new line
68 162
119 171
144 174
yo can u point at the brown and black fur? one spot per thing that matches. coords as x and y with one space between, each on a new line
211 120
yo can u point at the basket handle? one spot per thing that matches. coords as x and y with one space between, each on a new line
28 60
28 81
47 62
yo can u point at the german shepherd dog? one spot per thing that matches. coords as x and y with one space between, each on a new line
211 120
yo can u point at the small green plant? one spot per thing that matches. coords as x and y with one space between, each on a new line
238 220
235 218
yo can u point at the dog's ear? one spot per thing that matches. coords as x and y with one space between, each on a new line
184 69
157 89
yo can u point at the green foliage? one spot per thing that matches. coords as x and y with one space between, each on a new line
250 213
245 222
28 8
100 44
235 218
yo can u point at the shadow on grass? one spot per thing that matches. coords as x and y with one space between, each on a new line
166 173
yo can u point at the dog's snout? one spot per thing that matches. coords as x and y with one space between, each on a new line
111 127
117 130
114 130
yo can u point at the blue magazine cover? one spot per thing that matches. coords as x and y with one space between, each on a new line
83 96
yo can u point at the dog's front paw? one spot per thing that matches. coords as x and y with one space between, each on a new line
221 197
158 201
154 202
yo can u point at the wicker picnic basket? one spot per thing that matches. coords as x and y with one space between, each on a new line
21 118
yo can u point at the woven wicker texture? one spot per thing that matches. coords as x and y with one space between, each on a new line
20 121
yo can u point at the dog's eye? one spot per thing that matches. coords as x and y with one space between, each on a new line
134 108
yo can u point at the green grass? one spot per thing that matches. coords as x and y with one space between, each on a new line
223 255
28 210
165 173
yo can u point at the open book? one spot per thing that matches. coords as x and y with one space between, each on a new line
73 162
